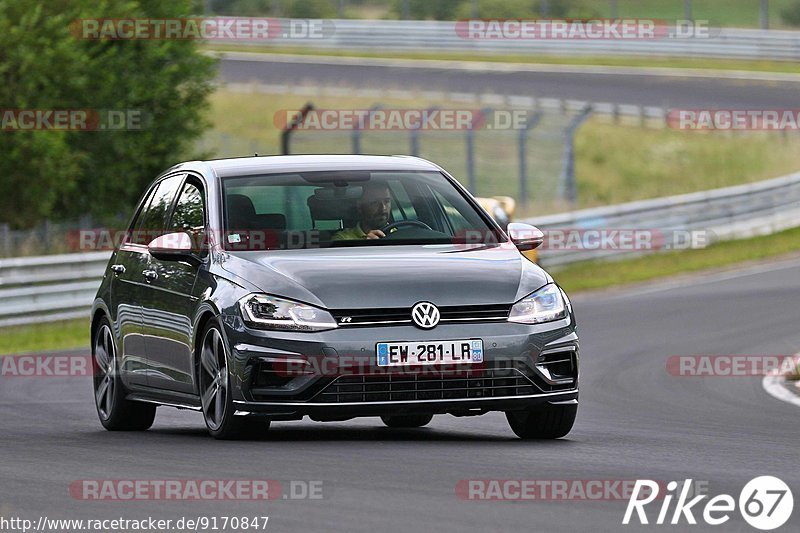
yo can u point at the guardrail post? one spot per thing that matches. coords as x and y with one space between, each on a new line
545 8
764 14
5 238
292 125
523 157
356 135
687 9
614 10
47 229
568 185
413 136
470 139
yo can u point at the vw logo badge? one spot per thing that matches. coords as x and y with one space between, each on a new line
425 315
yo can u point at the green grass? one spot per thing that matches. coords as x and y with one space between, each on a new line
664 162
45 337
702 64
738 13
604 274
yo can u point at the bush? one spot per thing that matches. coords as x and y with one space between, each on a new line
791 14
525 9
65 174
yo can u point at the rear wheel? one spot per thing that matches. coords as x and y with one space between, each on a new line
544 422
407 421
115 412
215 392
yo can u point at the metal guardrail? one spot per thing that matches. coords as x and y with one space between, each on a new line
729 213
405 35
49 288
57 287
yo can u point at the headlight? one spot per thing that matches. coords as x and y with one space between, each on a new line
545 305
269 312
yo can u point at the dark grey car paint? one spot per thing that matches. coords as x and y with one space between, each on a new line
157 322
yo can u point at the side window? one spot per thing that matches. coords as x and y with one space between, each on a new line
402 208
153 218
458 222
189 214
138 218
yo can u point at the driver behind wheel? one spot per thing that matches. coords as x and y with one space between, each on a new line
374 208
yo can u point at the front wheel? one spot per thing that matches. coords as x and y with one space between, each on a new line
407 421
215 392
543 422
116 413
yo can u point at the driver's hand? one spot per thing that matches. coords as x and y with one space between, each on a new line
375 234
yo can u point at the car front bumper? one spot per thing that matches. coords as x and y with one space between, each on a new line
334 374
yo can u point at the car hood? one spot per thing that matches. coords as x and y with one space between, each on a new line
391 276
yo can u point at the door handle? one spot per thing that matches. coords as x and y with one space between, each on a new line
150 275
118 269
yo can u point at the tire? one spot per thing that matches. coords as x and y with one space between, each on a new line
115 412
545 422
214 384
407 421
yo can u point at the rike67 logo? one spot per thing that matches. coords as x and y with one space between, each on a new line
765 503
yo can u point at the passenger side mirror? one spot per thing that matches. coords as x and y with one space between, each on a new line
524 236
173 247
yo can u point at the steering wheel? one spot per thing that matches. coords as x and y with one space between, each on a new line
397 225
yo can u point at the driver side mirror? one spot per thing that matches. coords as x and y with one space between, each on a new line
524 236
173 247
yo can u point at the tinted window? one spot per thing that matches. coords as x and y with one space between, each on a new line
153 219
318 209
189 213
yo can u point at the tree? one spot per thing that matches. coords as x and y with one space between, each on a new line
45 65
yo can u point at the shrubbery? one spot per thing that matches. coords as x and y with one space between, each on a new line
65 174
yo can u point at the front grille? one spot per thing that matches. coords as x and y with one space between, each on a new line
402 315
489 383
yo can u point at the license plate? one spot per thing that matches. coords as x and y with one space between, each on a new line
429 353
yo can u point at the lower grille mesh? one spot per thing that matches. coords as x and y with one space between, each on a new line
468 384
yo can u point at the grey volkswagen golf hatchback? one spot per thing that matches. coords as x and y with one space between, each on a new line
274 288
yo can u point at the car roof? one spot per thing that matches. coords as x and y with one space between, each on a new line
246 166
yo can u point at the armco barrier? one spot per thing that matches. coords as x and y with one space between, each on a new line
47 288
416 35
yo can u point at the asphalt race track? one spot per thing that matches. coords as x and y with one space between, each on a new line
635 89
635 421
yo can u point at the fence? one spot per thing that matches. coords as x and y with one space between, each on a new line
442 36
537 156
41 289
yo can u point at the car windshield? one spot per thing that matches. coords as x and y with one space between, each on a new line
349 208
